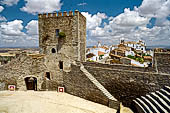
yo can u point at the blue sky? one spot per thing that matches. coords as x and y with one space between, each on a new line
133 20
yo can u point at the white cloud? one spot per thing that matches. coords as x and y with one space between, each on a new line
1 8
130 18
82 4
41 6
13 28
12 33
94 21
132 25
118 27
9 2
32 27
2 18
93 25
97 32
155 8
32 31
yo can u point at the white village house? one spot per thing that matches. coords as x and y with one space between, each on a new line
139 46
96 53
132 48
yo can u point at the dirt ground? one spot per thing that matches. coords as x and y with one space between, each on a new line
47 102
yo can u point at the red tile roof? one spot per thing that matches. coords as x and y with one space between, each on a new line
100 53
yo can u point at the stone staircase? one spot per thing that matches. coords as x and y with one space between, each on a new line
154 102
113 102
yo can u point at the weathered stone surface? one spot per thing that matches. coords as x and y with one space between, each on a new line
58 53
124 82
74 26
162 62
15 72
127 84
2 86
120 67
78 84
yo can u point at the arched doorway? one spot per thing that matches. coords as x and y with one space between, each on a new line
31 83
53 50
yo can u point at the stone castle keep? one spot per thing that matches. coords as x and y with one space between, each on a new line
74 26
62 62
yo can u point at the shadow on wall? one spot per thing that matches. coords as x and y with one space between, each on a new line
61 41
5 83
2 86
126 92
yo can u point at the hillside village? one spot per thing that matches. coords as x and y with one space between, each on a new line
129 53
126 52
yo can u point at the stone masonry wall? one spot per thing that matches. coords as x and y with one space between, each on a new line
82 27
120 67
18 69
48 38
162 62
76 83
74 27
52 65
124 82
126 85
67 49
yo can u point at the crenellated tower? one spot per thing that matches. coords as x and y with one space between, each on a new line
63 33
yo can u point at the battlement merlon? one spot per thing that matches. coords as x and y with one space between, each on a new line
59 14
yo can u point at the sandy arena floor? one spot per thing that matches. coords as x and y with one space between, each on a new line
47 102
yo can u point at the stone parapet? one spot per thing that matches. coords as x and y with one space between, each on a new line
59 14
114 104
120 67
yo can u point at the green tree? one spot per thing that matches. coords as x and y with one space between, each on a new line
62 35
130 56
